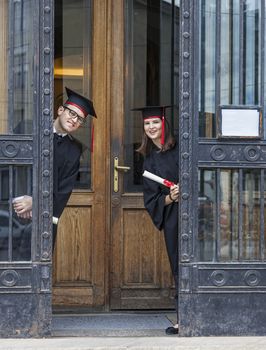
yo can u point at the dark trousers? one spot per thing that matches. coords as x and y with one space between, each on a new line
171 242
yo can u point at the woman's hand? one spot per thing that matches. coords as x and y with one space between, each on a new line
174 193
173 196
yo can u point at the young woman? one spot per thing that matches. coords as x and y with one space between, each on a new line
160 151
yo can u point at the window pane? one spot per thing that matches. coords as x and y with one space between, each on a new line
15 232
206 214
235 65
230 46
252 38
230 215
207 52
16 63
251 214
228 220
72 68
152 28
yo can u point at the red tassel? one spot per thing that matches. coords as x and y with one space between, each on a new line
92 136
162 135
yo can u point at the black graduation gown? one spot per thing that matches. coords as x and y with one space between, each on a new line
67 152
164 217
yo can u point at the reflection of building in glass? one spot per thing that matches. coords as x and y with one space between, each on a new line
15 232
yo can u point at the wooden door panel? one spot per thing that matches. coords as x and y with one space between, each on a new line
141 270
140 249
73 259
75 237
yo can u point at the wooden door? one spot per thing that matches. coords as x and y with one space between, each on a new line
80 258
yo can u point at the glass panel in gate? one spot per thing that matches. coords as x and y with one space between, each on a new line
230 200
230 68
15 231
231 214
16 108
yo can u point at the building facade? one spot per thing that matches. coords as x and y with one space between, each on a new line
206 58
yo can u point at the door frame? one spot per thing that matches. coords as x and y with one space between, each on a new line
25 286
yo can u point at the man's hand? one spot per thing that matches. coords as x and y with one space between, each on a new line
23 206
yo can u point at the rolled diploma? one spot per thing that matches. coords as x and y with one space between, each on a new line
158 179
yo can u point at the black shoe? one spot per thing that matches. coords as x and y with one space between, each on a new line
171 330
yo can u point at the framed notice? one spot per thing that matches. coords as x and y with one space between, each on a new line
239 122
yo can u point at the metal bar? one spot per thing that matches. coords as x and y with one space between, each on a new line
256 58
262 189
231 216
217 216
250 191
231 46
241 52
10 225
240 215
11 16
202 52
217 59
262 53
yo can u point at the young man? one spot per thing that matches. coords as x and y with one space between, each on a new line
67 152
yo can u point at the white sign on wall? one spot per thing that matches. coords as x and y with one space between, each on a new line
240 121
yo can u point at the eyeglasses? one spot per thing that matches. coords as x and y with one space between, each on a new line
75 115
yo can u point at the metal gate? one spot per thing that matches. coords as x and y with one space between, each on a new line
222 168
25 167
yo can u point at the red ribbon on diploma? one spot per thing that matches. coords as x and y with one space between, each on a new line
158 179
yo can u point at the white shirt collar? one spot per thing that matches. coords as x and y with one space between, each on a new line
58 133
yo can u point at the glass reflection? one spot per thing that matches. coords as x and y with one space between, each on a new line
228 220
230 48
251 214
252 52
16 63
15 232
207 49
152 50
230 70
72 68
21 69
206 214
229 203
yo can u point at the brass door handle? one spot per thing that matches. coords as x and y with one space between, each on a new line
118 168
122 167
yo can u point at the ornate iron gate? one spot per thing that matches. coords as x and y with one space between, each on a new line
25 168
222 224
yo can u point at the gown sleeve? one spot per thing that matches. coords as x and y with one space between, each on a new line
154 198
62 193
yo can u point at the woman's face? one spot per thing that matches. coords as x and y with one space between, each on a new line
153 129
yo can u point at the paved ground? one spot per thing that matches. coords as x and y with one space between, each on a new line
112 324
136 343
126 331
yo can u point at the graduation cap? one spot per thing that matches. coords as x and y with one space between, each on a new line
154 112
81 102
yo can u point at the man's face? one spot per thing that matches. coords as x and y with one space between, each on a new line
69 119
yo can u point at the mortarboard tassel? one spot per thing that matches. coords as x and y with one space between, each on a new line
92 136
163 127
